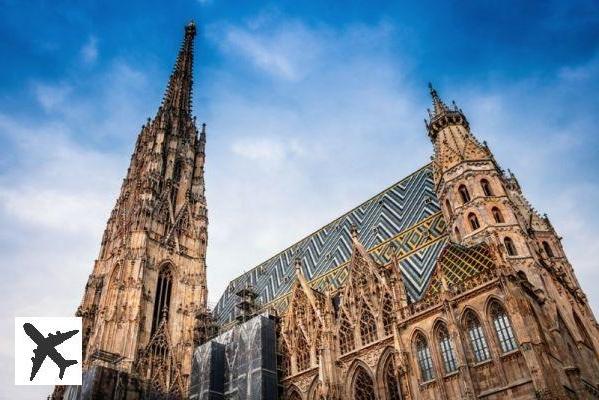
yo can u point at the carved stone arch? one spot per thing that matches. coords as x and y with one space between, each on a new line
390 383
360 382
477 335
293 393
165 287
169 263
315 390
465 311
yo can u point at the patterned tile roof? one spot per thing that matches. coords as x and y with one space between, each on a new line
403 220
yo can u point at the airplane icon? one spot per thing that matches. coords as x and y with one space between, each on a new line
46 347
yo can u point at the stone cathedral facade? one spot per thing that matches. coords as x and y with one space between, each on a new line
446 285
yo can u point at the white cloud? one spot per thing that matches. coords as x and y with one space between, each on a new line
89 51
51 97
266 149
56 190
341 122
286 52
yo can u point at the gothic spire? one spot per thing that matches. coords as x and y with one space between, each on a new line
438 106
179 90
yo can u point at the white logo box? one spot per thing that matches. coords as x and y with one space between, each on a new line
70 349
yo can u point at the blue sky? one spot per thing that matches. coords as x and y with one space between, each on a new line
312 107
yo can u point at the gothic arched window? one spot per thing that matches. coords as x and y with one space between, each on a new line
387 315
295 396
503 328
464 194
177 170
392 386
303 352
346 336
509 246
367 327
497 215
458 235
478 343
448 207
474 224
447 351
363 385
486 187
425 361
162 300
548 250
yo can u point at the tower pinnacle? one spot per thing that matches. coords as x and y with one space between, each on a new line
438 105
178 93
443 116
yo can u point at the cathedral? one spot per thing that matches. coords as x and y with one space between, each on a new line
446 285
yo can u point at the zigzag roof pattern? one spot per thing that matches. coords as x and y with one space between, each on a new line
402 221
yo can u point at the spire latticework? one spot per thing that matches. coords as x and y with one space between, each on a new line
179 91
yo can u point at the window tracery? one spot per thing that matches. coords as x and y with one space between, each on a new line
425 361
387 315
392 386
367 327
478 343
163 296
447 350
303 352
346 336
503 328
363 385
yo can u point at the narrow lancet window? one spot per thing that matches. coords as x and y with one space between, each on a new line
425 361
447 351
510 247
486 187
464 194
478 343
503 328
497 216
163 297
